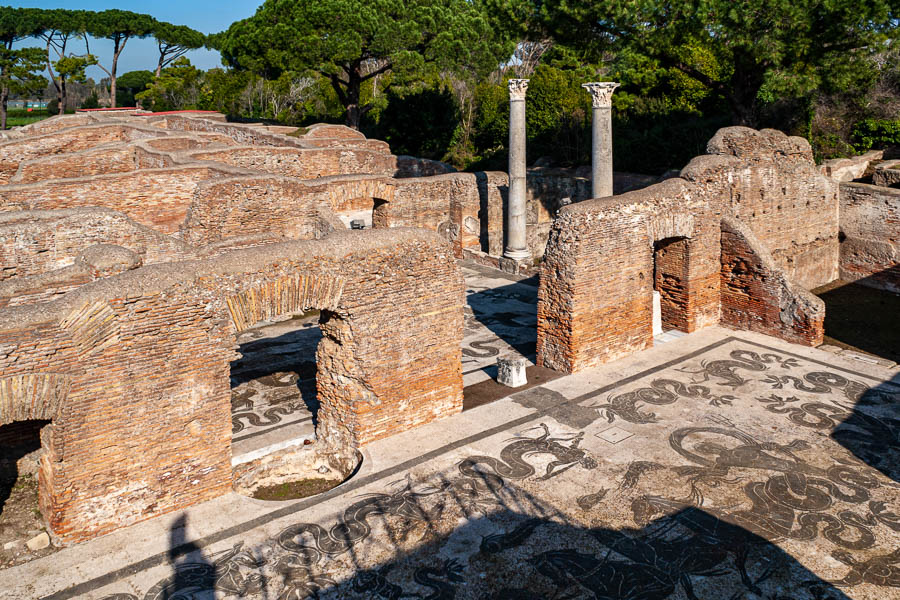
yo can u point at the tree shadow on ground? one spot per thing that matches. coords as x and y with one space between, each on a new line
509 312
871 430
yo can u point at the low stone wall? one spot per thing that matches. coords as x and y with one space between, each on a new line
887 174
95 161
242 134
158 198
848 169
757 296
279 207
870 232
36 242
133 370
296 209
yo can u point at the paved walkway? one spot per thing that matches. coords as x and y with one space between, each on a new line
721 465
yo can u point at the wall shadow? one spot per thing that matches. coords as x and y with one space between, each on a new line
860 316
18 440
516 549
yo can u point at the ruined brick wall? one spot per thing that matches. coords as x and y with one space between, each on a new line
870 231
158 198
95 161
256 205
448 204
182 143
303 163
329 131
595 299
35 242
757 296
153 433
56 123
770 182
14 152
242 134
604 256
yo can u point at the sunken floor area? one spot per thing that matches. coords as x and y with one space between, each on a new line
720 465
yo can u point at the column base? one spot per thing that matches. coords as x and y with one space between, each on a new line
519 255
514 266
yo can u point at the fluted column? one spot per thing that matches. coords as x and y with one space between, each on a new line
601 150
516 233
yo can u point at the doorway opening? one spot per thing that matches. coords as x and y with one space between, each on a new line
20 516
670 299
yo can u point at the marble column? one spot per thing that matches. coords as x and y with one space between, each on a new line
516 233
601 150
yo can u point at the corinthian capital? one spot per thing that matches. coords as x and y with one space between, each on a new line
601 92
517 89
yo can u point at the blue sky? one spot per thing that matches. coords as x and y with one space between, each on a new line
208 16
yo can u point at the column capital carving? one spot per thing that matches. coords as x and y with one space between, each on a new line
517 89
601 92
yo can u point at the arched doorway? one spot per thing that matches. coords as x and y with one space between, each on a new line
284 330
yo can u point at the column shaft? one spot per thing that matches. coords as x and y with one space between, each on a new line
601 154
516 224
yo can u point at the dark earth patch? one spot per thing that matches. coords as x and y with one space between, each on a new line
293 490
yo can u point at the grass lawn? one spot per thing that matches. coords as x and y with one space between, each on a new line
19 117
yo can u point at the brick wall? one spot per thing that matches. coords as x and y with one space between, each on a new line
256 205
604 256
158 198
96 161
756 294
303 163
870 228
770 182
595 299
153 433
35 242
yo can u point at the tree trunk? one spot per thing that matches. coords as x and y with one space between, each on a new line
117 50
354 83
62 96
4 96
353 116
159 67
745 84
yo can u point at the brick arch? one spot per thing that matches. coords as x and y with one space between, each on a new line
283 296
664 226
32 396
342 195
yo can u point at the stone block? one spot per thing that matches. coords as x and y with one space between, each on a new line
511 370
38 542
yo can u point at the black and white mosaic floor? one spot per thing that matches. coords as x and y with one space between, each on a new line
719 466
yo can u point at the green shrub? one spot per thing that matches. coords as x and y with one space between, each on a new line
91 102
875 133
